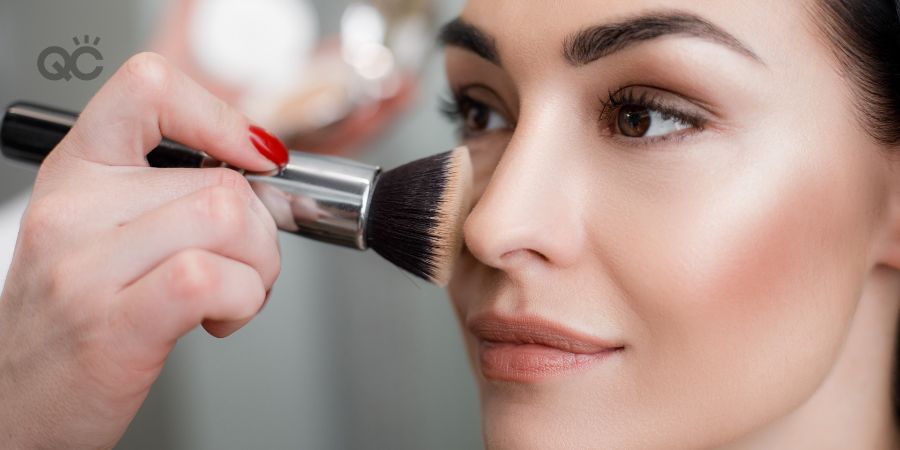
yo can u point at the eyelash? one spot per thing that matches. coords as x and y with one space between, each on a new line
626 96
451 107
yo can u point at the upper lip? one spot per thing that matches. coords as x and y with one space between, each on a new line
536 330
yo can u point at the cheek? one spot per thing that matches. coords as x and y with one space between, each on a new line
465 284
486 153
472 280
751 283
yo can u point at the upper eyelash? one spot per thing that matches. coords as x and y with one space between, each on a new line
449 106
452 106
626 96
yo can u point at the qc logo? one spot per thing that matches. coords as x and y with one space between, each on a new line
55 63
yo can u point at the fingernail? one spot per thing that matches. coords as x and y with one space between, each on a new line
269 146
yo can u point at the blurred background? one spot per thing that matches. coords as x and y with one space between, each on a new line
350 352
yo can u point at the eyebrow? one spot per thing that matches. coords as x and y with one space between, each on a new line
459 33
593 43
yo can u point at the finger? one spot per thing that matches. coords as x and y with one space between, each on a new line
136 192
217 219
157 187
177 295
223 328
278 203
148 98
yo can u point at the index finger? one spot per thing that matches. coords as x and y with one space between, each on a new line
148 99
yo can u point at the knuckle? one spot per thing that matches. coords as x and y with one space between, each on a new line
148 74
44 217
229 178
193 274
224 208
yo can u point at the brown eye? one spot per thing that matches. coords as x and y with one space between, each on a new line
477 116
633 120
480 118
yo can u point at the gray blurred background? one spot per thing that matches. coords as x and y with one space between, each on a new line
349 353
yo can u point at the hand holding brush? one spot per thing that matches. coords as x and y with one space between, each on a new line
126 246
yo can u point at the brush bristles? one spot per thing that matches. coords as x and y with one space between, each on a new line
416 213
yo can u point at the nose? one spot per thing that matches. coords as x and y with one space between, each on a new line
529 217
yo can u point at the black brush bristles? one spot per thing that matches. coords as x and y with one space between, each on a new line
416 213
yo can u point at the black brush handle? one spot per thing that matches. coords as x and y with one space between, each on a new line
30 131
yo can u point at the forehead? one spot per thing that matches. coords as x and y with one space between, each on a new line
527 31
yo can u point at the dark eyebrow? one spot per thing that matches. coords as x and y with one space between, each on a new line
598 41
460 33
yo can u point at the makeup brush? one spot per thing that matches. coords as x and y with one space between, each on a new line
411 215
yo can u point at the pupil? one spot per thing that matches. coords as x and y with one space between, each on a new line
634 120
478 117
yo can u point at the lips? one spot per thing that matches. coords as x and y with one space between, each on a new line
528 349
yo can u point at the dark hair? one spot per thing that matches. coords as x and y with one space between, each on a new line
865 37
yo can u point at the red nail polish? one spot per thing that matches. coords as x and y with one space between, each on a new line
269 146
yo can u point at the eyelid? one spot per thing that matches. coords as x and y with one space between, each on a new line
484 94
481 94
660 100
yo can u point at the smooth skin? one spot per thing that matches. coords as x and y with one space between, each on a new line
116 260
749 266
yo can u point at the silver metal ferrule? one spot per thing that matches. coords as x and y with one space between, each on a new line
321 197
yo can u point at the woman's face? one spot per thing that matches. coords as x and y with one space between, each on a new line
676 210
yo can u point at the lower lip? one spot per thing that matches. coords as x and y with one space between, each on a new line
532 362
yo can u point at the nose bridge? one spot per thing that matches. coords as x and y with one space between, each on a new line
530 207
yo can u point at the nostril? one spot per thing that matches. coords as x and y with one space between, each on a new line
521 256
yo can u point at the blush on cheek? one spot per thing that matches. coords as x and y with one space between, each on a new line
751 288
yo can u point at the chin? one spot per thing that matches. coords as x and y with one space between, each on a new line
570 411
597 410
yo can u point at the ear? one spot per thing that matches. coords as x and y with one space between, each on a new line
886 233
